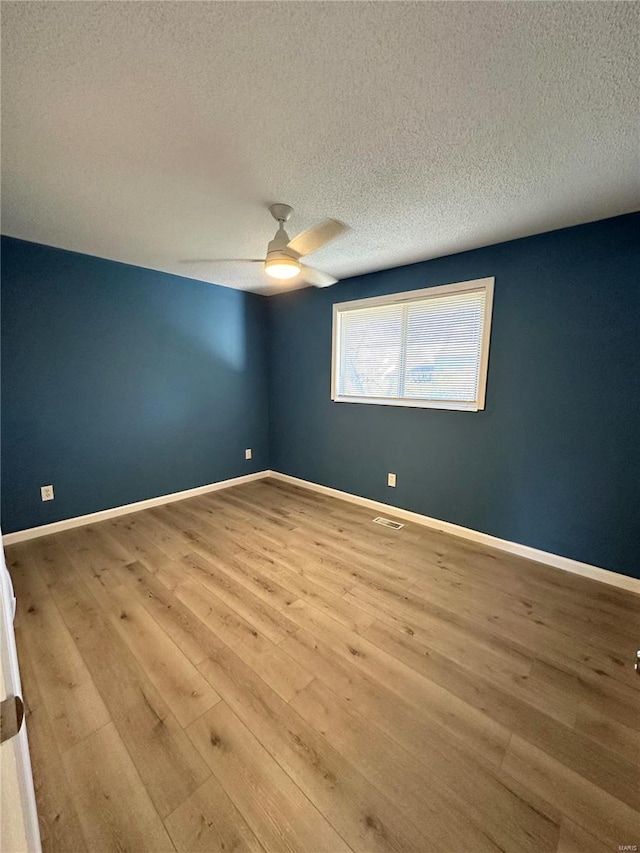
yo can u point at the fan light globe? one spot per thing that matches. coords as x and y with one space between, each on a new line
282 268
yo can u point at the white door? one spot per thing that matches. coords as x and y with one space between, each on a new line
19 831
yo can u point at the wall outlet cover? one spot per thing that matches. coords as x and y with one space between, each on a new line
247 453
46 493
391 480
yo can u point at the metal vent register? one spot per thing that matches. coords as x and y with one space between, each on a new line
386 522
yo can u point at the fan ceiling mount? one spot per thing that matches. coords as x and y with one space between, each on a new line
281 212
282 260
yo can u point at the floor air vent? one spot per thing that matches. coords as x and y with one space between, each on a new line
386 522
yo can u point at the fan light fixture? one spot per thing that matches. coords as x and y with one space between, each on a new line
283 255
281 266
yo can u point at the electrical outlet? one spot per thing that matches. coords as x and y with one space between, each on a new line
391 480
46 493
247 453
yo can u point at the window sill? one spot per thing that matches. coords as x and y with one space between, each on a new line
411 403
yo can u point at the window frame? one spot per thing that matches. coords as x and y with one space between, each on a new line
486 284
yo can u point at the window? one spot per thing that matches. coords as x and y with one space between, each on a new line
427 348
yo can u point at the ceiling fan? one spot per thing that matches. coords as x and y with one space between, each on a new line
282 260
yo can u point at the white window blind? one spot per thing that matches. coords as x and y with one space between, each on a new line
426 348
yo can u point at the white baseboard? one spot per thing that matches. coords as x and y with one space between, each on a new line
549 559
555 560
125 509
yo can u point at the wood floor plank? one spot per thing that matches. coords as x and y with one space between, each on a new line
128 530
114 807
614 736
251 524
335 518
540 580
378 550
182 616
177 680
95 548
563 617
282 673
60 828
410 727
159 598
573 839
465 645
346 612
163 536
324 571
208 822
494 625
171 574
268 621
357 688
481 813
229 563
552 700
83 548
228 525
488 565
222 520
354 567
164 756
605 696
602 815
463 720
184 690
322 540
279 814
357 810
520 712
73 703
539 627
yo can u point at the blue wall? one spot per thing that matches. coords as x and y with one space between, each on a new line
553 461
120 383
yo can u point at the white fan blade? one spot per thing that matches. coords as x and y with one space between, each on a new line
315 238
315 277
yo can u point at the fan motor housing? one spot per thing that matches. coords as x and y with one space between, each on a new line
279 255
281 261
278 247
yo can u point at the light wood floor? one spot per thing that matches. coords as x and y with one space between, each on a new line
264 669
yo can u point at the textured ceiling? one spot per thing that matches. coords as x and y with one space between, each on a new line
151 132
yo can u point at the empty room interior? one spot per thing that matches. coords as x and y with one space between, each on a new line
320 427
